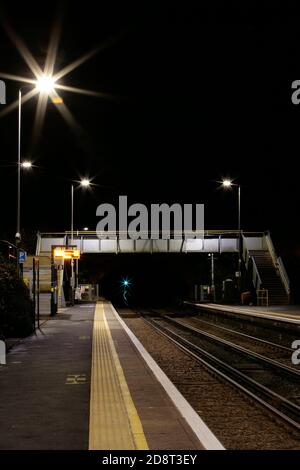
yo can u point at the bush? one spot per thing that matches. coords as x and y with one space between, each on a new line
16 307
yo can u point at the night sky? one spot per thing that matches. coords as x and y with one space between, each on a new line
198 93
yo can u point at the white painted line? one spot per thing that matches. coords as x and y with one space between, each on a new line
200 429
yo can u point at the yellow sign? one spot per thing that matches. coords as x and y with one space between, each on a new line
66 253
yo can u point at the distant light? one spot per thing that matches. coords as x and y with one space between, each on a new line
26 164
227 183
85 182
45 84
85 228
125 283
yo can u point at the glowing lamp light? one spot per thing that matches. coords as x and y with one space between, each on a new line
26 165
45 84
227 183
59 253
85 182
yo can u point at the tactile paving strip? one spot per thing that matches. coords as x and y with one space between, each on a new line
114 421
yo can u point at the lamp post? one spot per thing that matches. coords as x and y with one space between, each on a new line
26 165
228 184
18 232
85 183
45 84
212 276
72 213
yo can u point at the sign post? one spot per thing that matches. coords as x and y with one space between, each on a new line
62 253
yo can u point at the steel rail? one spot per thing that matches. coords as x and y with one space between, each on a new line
246 352
271 400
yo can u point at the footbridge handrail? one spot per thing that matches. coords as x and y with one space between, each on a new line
278 263
118 232
284 275
255 275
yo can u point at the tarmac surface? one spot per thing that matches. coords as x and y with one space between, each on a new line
56 388
45 386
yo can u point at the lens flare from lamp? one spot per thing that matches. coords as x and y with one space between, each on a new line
26 165
45 84
227 183
85 182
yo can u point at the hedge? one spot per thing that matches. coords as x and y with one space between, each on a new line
16 308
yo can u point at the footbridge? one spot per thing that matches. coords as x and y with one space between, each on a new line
208 241
256 249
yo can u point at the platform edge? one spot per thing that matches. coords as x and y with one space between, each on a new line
198 426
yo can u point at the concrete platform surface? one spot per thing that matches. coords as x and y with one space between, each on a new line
288 313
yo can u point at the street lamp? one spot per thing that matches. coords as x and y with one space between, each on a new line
44 84
228 184
85 183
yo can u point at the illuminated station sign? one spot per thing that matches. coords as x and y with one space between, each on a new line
65 253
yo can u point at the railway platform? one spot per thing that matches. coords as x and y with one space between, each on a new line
286 313
84 381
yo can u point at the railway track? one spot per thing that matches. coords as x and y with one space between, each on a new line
260 349
280 333
269 382
280 349
265 348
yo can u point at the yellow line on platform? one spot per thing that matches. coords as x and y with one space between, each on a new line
114 421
